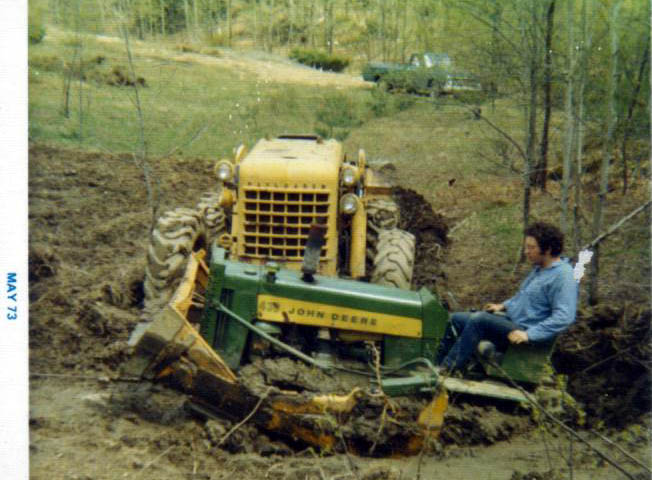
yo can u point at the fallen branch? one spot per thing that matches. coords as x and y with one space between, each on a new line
190 141
478 114
101 378
460 224
604 360
621 450
352 466
246 419
152 462
597 240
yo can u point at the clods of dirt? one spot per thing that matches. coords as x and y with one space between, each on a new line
42 262
606 355
548 475
431 231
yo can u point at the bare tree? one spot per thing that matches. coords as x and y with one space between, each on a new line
270 25
612 117
186 15
195 16
383 29
229 27
541 170
162 13
568 145
141 156
630 111
578 129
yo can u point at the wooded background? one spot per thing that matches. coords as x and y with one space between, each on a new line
586 60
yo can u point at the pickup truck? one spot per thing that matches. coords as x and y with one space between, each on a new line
426 73
374 71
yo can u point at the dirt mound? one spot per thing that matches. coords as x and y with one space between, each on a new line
430 229
382 426
89 225
606 355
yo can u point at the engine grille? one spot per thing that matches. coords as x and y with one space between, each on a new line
277 222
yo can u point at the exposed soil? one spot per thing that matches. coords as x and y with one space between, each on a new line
430 229
607 357
89 224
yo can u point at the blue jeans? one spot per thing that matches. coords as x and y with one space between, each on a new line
457 346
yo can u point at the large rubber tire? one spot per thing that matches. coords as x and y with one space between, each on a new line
178 233
381 215
213 216
393 264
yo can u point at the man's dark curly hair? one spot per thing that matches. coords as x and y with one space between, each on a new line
547 236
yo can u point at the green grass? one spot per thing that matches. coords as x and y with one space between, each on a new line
194 109
201 109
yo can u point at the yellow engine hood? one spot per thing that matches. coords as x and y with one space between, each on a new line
293 164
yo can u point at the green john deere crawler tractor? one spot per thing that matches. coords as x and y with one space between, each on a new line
219 322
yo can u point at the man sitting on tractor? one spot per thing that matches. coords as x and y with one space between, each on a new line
543 307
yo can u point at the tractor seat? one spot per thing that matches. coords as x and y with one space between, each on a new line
525 362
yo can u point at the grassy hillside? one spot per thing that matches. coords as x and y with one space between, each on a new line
203 103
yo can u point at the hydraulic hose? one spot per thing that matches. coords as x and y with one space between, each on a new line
271 339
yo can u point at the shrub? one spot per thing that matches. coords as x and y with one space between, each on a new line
185 48
216 39
35 33
319 59
420 80
383 103
336 116
46 63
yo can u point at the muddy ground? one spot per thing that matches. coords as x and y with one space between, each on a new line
89 225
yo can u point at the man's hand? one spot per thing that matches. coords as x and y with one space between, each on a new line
494 307
517 336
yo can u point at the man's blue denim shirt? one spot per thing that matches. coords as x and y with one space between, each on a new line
546 302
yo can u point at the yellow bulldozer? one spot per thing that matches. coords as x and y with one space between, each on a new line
264 277
263 207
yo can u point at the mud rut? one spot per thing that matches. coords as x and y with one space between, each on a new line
88 234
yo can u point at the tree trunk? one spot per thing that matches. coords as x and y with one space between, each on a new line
383 32
291 19
397 29
630 112
330 25
532 72
162 17
255 24
270 26
100 4
312 30
186 13
195 18
568 145
228 23
606 158
587 40
541 173
404 31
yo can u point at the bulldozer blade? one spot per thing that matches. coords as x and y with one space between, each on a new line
485 388
170 337
171 349
432 416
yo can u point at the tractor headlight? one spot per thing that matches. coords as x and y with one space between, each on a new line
224 170
349 204
349 175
